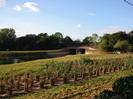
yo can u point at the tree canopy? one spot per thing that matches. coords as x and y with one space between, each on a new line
119 41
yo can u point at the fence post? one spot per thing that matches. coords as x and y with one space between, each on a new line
52 81
9 90
42 83
2 86
31 82
37 77
25 85
65 80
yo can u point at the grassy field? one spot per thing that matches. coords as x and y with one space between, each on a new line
36 65
74 90
30 66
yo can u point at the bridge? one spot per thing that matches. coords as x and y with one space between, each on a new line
80 50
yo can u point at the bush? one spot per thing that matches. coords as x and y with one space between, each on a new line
124 87
122 46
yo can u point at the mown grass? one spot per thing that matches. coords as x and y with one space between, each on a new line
86 87
30 66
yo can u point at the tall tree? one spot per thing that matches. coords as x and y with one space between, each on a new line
94 38
130 37
42 41
105 43
7 39
27 42
67 41
88 40
118 36
122 46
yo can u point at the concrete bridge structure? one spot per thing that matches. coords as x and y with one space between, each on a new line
81 50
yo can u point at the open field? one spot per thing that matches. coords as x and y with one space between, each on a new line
70 74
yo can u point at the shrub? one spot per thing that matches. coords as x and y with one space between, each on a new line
124 87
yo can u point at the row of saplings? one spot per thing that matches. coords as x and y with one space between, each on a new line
121 89
56 73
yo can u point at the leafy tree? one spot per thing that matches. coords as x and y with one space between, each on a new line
117 36
122 45
67 41
88 40
42 41
94 38
7 39
130 37
27 42
130 48
54 41
77 42
105 43
58 35
20 43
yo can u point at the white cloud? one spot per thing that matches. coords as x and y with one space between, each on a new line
32 6
18 8
78 26
2 2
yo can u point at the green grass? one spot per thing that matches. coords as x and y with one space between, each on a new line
30 66
36 65
68 89
77 88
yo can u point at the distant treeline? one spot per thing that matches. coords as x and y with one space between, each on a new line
119 41
42 41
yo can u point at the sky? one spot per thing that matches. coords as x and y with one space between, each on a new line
75 18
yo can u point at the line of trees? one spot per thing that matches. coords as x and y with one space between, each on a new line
42 41
119 41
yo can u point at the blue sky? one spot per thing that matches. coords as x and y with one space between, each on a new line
76 18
